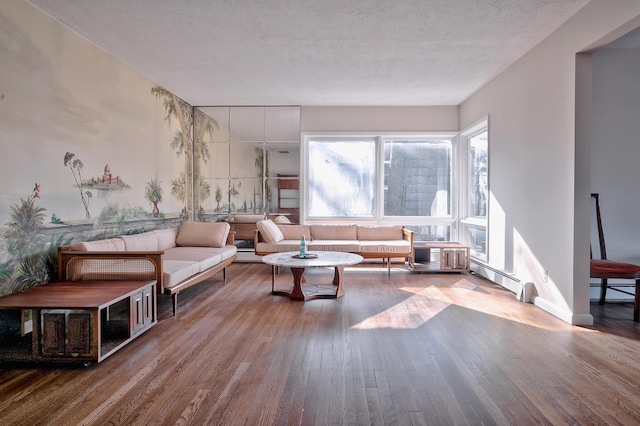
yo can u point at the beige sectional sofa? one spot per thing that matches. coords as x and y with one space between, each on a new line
175 258
369 241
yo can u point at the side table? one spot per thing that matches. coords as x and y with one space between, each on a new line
80 321
450 257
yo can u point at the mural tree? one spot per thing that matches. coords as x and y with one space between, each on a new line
194 149
25 243
174 107
204 126
205 190
153 193
22 237
218 197
178 187
76 170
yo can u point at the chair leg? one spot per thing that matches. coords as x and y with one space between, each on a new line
636 304
273 278
603 291
175 303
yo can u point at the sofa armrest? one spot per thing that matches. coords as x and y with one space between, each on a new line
77 265
407 234
257 238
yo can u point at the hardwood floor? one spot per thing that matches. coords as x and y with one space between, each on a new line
407 349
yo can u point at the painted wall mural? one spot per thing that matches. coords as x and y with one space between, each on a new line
91 148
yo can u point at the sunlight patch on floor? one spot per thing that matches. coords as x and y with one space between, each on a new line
424 304
427 302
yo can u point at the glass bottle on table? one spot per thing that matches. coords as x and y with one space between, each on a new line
303 248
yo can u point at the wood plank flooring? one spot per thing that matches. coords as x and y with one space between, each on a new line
408 349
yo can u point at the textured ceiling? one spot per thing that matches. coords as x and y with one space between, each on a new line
316 52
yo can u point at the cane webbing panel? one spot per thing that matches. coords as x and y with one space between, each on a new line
115 269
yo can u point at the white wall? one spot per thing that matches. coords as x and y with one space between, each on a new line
615 150
400 119
535 181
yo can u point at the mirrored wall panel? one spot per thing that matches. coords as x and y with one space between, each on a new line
250 162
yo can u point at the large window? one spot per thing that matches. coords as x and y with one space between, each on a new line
392 178
417 177
342 177
475 141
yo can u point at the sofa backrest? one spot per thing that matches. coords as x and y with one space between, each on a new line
295 232
379 232
270 232
203 234
334 232
166 238
147 241
247 218
191 234
110 244
159 239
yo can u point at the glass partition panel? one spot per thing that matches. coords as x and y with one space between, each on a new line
237 149
245 196
271 196
246 124
282 159
282 124
220 117
246 160
217 166
218 199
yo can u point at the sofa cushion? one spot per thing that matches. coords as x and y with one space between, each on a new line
147 241
295 232
334 232
203 234
270 231
280 246
205 256
247 218
334 245
227 251
176 271
110 244
390 246
379 232
166 238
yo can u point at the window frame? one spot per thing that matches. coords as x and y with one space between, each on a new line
467 222
379 138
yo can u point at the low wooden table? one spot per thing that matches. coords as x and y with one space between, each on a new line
81 321
334 259
453 257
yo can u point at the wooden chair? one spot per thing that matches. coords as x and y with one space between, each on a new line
605 269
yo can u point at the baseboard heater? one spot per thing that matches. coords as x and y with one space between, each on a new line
523 291
496 271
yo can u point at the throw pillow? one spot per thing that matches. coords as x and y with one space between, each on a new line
270 231
203 234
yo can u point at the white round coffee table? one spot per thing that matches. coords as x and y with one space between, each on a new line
333 259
